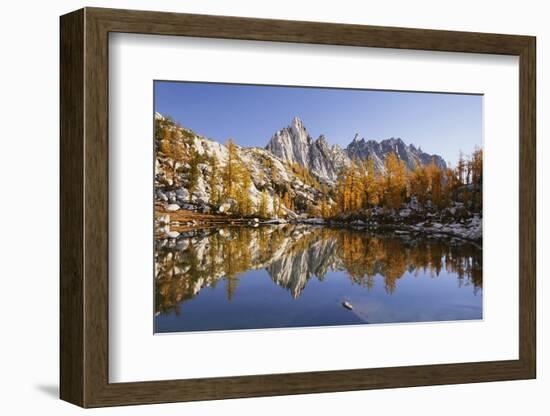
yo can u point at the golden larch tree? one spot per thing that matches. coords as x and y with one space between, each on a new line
213 181
194 173
435 177
231 173
395 182
243 198
262 209
373 185
420 184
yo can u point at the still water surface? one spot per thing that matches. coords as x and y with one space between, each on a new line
299 276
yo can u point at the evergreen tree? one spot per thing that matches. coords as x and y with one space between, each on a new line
461 170
477 179
159 130
477 167
466 197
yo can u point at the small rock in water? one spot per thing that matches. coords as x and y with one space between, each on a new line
402 232
315 221
168 233
274 221
405 213
171 195
161 196
224 208
172 207
164 219
347 305
171 234
189 207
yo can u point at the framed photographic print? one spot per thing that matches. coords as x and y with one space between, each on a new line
258 207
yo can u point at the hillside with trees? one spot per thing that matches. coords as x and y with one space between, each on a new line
387 185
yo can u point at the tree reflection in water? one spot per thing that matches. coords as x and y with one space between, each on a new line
293 254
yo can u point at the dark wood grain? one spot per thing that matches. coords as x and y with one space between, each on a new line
527 207
84 207
96 220
71 217
162 23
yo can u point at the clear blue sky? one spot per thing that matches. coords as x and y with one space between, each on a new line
250 114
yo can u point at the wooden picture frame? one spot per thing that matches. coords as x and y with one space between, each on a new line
84 207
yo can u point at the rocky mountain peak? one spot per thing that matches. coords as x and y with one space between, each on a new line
297 121
379 151
298 130
322 140
293 144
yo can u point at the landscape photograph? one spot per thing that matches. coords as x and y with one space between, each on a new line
291 206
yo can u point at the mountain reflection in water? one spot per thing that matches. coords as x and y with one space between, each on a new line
223 278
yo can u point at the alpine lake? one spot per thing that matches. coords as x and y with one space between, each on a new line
298 275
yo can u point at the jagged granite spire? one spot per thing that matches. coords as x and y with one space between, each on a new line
293 144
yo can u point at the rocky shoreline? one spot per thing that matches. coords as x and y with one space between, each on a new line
469 230
184 224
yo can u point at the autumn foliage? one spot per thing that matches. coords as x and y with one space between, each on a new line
361 186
